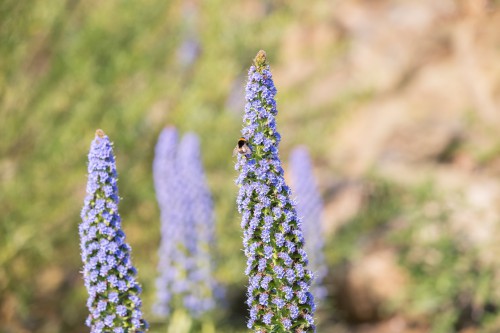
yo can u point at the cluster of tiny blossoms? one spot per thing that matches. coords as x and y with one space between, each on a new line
278 291
309 208
186 226
110 277
199 213
171 254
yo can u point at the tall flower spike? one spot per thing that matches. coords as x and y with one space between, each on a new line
171 257
278 290
110 277
186 226
199 216
310 208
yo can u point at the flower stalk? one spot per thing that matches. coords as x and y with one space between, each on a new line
310 209
200 217
110 278
171 255
185 279
278 289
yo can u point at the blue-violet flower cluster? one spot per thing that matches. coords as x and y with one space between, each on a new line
310 209
184 266
110 278
200 217
171 253
278 289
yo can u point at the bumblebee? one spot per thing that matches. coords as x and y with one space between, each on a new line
242 147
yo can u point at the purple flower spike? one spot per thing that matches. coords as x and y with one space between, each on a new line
110 277
272 234
171 256
185 272
310 208
199 217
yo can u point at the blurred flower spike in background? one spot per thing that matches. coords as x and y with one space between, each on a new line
110 277
187 227
200 215
310 209
278 289
171 258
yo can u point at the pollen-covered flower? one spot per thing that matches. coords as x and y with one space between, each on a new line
110 277
278 293
309 208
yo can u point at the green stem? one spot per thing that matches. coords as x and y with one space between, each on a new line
181 322
207 326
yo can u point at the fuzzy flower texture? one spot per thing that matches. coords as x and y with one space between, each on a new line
110 278
278 290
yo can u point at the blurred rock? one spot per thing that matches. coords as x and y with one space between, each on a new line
468 330
395 324
423 140
367 287
7 170
429 66
50 279
387 36
342 202
9 312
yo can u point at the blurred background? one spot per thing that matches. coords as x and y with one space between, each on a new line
396 100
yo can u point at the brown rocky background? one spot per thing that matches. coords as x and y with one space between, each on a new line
415 86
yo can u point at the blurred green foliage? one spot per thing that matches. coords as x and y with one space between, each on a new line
70 67
453 284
